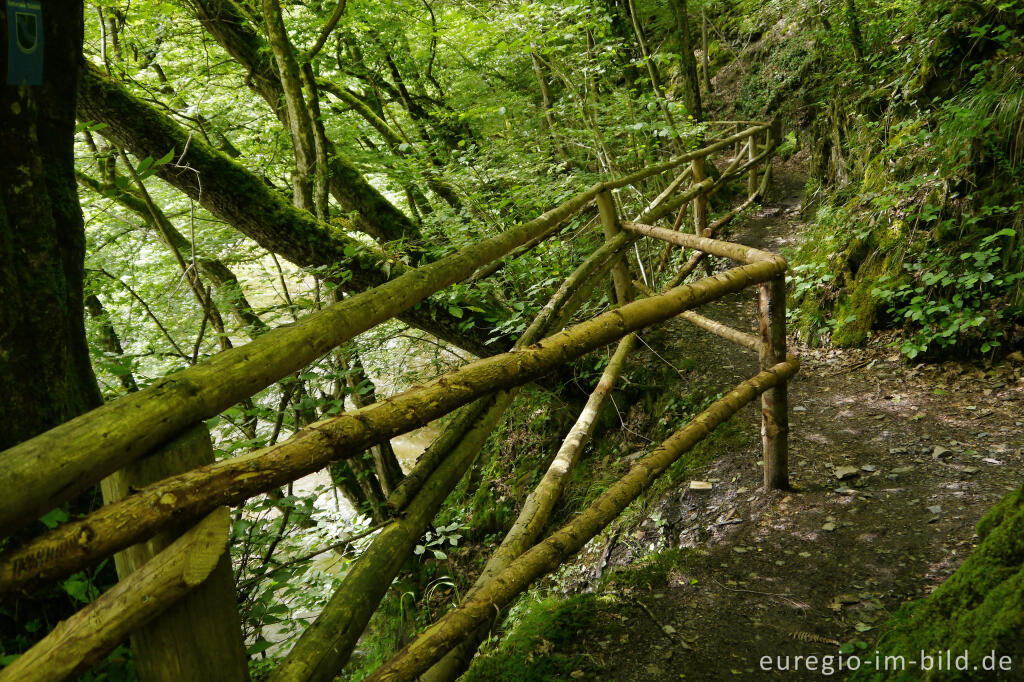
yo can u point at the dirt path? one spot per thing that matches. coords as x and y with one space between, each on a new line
891 466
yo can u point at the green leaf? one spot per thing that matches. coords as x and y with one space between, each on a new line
166 158
258 647
120 370
455 310
77 589
144 166
54 518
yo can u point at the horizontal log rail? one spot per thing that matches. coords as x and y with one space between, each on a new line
748 341
113 527
716 247
52 467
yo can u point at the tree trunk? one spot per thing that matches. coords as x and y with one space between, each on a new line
45 375
547 102
688 60
297 117
853 25
200 636
375 215
110 342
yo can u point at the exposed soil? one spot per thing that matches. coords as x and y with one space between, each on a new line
925 451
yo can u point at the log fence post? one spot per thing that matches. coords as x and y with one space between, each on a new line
774 401
611 226
700 202
199 637
752 173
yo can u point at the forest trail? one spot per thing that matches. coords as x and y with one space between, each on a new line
892 466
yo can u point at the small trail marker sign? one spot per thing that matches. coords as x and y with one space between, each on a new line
24 42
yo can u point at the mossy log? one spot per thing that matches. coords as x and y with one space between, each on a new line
736 252
744 339
195 493
84 638
546 556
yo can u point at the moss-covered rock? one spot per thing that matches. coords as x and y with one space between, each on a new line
979 609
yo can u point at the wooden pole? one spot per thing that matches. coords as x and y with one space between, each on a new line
700 202
612 227
700 208
752 176
200 637
73 545
774 401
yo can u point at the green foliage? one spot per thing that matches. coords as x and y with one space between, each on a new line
438 539
542 643
767 77
650 573
956 300
919 151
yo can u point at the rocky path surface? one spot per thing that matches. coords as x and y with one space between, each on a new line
891 465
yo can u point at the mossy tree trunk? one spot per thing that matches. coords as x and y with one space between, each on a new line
45 375
374 214
297 115
110 342
688 60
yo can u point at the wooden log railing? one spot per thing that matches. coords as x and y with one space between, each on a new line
49 469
